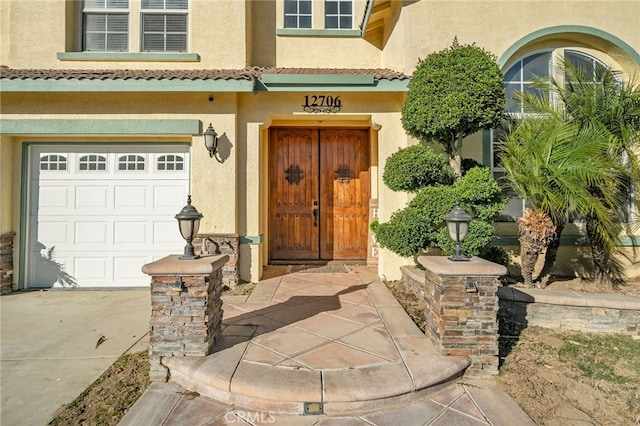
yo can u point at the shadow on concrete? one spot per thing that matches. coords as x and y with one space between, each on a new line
274 317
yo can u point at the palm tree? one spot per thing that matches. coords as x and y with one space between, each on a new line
551 162
595 98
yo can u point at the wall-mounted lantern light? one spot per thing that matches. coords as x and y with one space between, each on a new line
188 223
211 140
458 226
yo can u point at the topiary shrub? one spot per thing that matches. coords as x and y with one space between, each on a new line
406 233
415 167
421 224
454 93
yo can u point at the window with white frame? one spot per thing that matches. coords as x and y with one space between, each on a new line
521 77
338 14
105 25
164 25
298 13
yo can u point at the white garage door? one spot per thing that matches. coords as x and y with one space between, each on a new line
97 214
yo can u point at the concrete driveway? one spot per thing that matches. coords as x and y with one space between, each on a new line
48 352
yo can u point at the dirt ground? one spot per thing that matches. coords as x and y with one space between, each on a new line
563 378
107 400
557 378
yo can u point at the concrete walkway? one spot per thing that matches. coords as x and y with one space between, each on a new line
321 348
48 352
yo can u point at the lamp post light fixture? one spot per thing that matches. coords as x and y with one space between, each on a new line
188 223
458 226
211 140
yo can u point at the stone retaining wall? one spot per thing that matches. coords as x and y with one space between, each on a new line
462 307
222 244
6 262
568 310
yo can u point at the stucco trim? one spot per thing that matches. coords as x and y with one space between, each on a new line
129 56
119 85
304 32
252 239
560 29
99 127
328 83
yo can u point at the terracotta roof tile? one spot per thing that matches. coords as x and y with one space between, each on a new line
237 74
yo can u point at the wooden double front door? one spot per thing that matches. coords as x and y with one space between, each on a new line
319 193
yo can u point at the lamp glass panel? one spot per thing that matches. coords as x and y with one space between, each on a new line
209 140
186 228
463 228
196 226
453 231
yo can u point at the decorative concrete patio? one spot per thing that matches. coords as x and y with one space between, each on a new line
302 344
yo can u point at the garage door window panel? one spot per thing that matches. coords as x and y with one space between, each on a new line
170 162
131 162
53 162
92 162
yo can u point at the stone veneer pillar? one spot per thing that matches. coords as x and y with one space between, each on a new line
6 262
186 308
462 308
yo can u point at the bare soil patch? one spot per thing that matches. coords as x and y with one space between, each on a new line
107 399
562 378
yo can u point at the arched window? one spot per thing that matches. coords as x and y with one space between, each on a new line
522 77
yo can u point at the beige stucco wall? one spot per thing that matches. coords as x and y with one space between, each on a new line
232 34
217 32
428 26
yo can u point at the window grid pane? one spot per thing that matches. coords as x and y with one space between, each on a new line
106 32
164 33
92 162
297 14
170 162
131 162
338 14
53 162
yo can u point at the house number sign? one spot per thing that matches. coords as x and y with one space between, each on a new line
322 104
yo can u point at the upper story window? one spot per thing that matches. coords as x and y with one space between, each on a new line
164 25
297 13
105 25
338 14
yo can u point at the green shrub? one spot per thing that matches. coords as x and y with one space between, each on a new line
478 238
421 224
479 194
406 234
415 167
453 93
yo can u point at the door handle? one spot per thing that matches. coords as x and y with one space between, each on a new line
315 217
